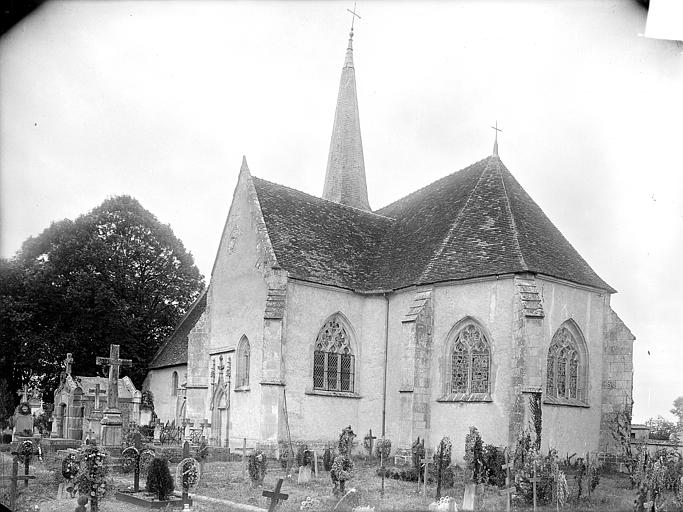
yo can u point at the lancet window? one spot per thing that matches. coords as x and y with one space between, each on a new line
470 360
174 384
333 359
565 366
243 359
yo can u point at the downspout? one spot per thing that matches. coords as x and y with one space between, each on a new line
386 361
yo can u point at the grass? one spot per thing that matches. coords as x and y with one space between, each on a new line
224 480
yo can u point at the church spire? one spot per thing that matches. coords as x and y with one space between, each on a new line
345 176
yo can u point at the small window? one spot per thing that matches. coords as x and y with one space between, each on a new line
174 384
243 359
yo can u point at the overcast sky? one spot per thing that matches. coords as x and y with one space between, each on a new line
160 100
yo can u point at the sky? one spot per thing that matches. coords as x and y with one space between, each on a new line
160 100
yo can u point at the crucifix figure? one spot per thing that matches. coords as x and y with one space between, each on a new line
495 144
353 18
114 363
68 362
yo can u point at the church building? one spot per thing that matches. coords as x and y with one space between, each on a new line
458 305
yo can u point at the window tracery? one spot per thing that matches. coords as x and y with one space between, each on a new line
333 359
564 366
470 361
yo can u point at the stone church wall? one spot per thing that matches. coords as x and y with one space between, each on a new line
574 429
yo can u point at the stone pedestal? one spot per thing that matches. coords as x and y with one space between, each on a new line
112 429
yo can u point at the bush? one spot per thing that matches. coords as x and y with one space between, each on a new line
493 459
286 456
417 451
303 455
552 485
340 473
328 459
257 466
383 448
159 479
346 441
474 455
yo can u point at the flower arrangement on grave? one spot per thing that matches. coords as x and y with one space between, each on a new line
346 441
91 478
445 503
303 455
311 504
70 466
257 465
383 448
25 450
340 473
159 479
187 474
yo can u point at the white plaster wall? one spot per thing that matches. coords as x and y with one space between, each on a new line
236 303
158 381
573 429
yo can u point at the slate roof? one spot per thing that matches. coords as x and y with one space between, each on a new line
473 223
174 349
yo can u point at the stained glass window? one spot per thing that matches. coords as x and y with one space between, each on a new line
333 360
470 361
563 366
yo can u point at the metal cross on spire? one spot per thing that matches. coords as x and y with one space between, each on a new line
353 18
495 144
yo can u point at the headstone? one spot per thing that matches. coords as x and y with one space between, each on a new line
23 421
470 495
304 475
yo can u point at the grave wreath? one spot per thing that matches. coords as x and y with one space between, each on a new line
188 474
91 478
303 455
383 448
340 473
257 465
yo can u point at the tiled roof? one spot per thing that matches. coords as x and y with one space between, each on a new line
473 223
174 349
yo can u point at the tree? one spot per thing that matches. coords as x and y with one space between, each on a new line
678 410
660 428
113 275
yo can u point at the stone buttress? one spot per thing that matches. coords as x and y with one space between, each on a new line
416 356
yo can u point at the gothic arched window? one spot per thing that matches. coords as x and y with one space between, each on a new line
174 384
565 366
470 361
333 359
243 357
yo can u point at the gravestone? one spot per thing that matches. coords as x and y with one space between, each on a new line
23 421
470 495
304 475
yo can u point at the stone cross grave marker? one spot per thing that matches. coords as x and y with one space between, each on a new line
275 495
23 393
535 480
468 498
97 392
508 490
186 454
425 462
13 483
68 362
114 363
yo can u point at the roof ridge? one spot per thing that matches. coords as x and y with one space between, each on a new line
330 201
451 230
513 224
415 192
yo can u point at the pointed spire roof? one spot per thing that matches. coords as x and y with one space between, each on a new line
345 177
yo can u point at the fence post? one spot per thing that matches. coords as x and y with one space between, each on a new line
244 457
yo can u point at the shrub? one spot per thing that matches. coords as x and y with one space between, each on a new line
257 466
442 461
474 455
328 459
303 455
346 441
552 483
417 451
340 473
493 459
286 455
383 448
159 479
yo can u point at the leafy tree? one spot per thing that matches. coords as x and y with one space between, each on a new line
678 410
660 428
113 275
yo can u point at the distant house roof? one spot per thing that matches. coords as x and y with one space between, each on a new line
473 223
174 350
